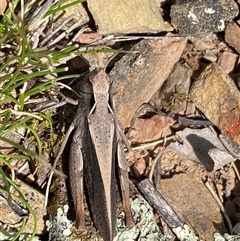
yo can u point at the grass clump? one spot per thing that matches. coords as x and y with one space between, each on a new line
29 68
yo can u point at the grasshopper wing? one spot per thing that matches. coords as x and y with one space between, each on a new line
102 132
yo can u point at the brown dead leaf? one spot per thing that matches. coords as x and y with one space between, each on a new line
191 60
146 130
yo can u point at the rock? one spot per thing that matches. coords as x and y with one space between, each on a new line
196 17
232 35
190 199
35 200
201 44
216 95
157 127
78 12
8 216
173 94
137 76
139 168
88 37
210 55
203 147
237 69
118 17
227 61
231 146
14 136
3 5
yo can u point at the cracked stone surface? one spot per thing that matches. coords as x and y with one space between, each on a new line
196 17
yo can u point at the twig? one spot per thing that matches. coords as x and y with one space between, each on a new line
160 204
55 106
207 184
45 40
154 165
70 129
80 31
36 19
69 88
22 168
21 113
62 35
151 144
187 122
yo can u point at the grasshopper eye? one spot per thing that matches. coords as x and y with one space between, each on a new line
109 79
92 78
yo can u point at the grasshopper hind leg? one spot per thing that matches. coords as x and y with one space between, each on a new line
76 180
124 184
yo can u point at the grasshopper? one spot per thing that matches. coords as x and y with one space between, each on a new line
95 146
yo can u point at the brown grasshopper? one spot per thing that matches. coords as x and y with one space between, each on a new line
95 146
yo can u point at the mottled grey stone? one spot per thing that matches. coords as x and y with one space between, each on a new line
197 17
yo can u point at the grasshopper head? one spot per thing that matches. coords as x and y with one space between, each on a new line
101 81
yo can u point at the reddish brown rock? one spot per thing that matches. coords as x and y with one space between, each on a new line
89 37
157 126
139 74
202 45
210 55
173 94
139 167
227 61
191 200
216 95
232 35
